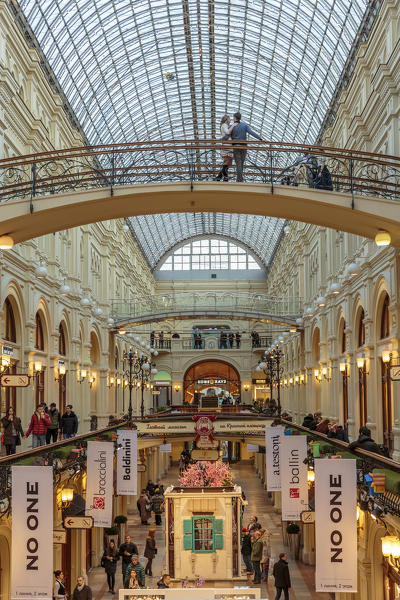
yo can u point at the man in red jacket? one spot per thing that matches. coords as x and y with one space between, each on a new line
40 421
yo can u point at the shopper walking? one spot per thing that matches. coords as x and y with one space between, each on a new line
150 551
40 421
125 551
12 430
246 550
239 137
69 423
59 591
144 506
82 591
109 563
256 556
282 577
135 566
157 505
54 429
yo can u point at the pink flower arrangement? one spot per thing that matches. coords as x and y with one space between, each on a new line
206 474
198 582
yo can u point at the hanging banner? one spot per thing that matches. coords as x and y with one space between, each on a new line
99 485
273 436
294 485
32 533
127 462
336 525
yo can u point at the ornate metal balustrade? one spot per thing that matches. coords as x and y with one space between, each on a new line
91 167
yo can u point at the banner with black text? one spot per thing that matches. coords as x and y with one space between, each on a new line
32 533
294 485
335 525
273 436
99 485
127 462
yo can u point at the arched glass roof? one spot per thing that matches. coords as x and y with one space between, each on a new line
157 234
278 61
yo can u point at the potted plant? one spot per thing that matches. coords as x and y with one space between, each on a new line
120 521
293 533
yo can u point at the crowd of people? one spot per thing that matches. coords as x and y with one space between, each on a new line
47 425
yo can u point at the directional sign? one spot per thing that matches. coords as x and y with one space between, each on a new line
59 537
78 522
395 373
198 454
307 516
141 468
15 380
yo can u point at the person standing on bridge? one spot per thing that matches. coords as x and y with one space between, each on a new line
239 137
226 155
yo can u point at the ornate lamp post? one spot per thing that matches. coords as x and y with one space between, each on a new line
271 365
139 370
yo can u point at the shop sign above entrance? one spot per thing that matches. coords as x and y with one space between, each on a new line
211 381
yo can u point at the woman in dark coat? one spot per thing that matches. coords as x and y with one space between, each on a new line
109 562
150 551
323 180
12 429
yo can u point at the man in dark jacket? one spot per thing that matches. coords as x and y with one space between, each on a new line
246 550
365 442
125 551
164 582
282 577
157 505
239 137
81 591
69 423
53 429
308 419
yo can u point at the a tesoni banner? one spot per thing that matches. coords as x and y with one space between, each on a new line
336 525
127 462
32 533
273 436
294 485
99 486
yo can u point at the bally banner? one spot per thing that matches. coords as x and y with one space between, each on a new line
99 485
335 525
127 462
32 533
273 437
294 485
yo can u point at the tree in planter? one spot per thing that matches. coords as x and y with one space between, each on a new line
120 521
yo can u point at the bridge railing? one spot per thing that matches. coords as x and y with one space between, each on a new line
189 302
270 163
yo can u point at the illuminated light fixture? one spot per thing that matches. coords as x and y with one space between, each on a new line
342 367
335 288
353 269
118 381
6 242
61 370
310 476
155 352
358 512
126 382
85 302
285 381
291 380
5 360
321 301
386 356
302 379
98 311
395 548
67 495
299 321
246 387
324 371
41 271
293 330
111 381
387 545
110 321
83 375
316 373
122 331
177 387
382 238
154 371
38 366
146 366
376 513
297 379
65 289
360 362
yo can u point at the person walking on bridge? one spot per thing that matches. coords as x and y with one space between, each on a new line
239 138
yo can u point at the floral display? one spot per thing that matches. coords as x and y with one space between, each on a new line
206 474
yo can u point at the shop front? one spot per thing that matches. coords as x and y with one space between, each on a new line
213 380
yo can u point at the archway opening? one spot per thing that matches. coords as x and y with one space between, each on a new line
213 379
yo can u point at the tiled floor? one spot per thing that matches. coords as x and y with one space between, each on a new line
302 576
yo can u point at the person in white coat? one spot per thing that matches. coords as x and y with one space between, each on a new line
226 155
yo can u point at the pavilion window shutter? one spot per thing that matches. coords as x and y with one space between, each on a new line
187 534
219 530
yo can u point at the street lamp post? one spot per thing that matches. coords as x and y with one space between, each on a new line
130 356
271 365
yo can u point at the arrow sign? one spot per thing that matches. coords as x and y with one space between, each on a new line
78 522
14 380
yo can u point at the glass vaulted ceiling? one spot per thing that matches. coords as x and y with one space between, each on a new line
278 61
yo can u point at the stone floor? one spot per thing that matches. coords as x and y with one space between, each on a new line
302 576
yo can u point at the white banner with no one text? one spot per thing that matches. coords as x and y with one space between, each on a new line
99 486
273 437
336 525
32 533
127 462
294 485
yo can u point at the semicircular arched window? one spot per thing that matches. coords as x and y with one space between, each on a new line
385 324
10 333
361 328
211 253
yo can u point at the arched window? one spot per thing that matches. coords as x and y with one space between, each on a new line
385 325
342 337
61 340
39 337
361 328
10 333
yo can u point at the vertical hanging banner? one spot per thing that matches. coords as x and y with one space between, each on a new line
273 438
99 485
335 525
294 485
32 533
127 462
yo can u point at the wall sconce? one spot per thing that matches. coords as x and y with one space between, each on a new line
82 375
360 362
310 476
118 381
391 549
386 356
37 366
246 387
67 495
317 375
5 361
325 373
111 381
285 382
92 378
291 380
126 382
343 368
177 387
297 380
302 379
61 370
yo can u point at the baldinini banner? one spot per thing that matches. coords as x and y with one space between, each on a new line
294 485
336 525
32 533
99 485
273 436
127 462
